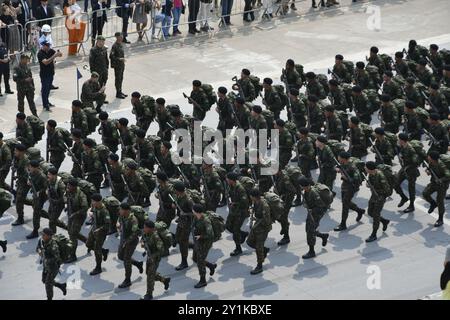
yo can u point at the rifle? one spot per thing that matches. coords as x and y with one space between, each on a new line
40 250
237 86
233 111
370 185
13 176
108 176
33 188
309 117
186 180
327 128
127 188
75 159
286 85
335 76
374 147
343 171
138 153
263 101
432 65
205 187
182 213
427 99
195 103
252 217
433 140
427 166
122 144
400 158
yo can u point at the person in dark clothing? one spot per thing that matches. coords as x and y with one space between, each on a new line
46 58
4 68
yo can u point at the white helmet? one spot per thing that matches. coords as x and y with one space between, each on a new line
46 28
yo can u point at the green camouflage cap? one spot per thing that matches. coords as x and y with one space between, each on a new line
101 38
95 74
117 34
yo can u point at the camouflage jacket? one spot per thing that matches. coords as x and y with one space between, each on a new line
98 60
116 54
22 72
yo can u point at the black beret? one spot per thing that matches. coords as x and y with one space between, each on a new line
422 62
329 108
88 142
255 193
73 182
21 116
20 147
385 98
435 116
389 74
304 182
176 113
135 94
222 90
434 155
371 165
434 46
410 104
303 130
410 80
123 122
47 231
240 100
380 131
125 206
403 136
161 101
268 81
399 54
290 62
96 197
354 120
197 83
167 144
310 75
360 65
246 72
140 133
53 171
232 176
434 86
280 122
357 89
149 224
77 103
198 208
374 50
333 82
113 157
77 133
34 163
339 57
257 109
344 155
179 186
51 123
412 43
322 139
103 115
132 165
161 176
294 92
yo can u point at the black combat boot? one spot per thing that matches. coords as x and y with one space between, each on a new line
147 297
324 237
125 284
385 223
105 254
182 265
433 205
403 201
3 245
212 268
62 287
341 227
202 283
244 235
139 265
18 222
439 223
236 251
360 214
34 234
314 4
258 269
310 254
284 240
166 283
97 270
410 208
372 237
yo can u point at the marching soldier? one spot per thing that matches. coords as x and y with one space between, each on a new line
77 207
337 96
108 130
313 87
166 212
55 144
213 184
224 110
316 117
127 139
38 184
384 147
316 210
260 229
247 86
351 180
92 91
271 98
19 166
129 239
438 100
52 261
145 151
333 125
379 189
201 104
116 171
238 211
25 85
438 134
143 109
136 187
437 62
203 235
5 162
286 190
340 69
357 146
98 60
390 118
285 141
306 152
412 124
326 163
117 57
165 160
55 194
298 108
77 154
389 87
361 105
440 178
79 119
92 165
291 76
24 133
99 230
154 249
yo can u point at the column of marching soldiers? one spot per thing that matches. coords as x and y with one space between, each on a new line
410 92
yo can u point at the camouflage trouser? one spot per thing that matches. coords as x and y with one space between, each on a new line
54 212
411 176
21 198
95 242
125 254
305 166
213 202
327 177
256 240
234 222
118 78
76 171
201 249
375 206
96 180
165 215
144 124
103 78
284 217
152 274
312 223
73 229
347 203
37 204
198 114
3 175
48 278
285 157
182 235
441 191
21 95
56 158
113 147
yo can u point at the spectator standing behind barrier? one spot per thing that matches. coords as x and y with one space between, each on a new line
445 277
99 17
140 16
46 36
124 12
4 68
249 15
194 6
166 10
44 13
204 12
160 17
10 35
227 5
46 58
75 27
177 10
23 15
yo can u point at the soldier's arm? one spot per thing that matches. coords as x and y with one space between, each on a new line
92 57
7 158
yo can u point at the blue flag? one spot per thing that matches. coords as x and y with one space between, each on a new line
79 76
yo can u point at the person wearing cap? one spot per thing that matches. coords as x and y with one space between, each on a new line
340 69
389 87
138 190
144 110
401 67
291 76
183 207
55 195
333 124
316 208
37 182
225 111
5 68
19 165
127 139
51 258
47 58
98 60
439 136
423 74
437 100
238 206
298 108
165 162
23 77
200 101
154 249
117 57
389 114
285 143
361 105
439 182
92 164
242 114
338 96
327 165
261 227
108 131
99 230
314 87
128 227
55 144
246 85
315 114
24 132
351 180
358 140
306 152
76 153
375 60
144 150
77 207
379 192
412 123
78 120
203 235
410 161
5 162
384 147
412 93
272 99
213 183
92 91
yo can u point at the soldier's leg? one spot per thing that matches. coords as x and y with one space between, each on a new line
374 211
36 215
74 228
3 175
412 189
232 225
98 248
20 201
57 158
346 197
49 281
128 261
31 104
401 176
90 242
182 236
151 276
426 194
305 167
441 192
284 218
20 101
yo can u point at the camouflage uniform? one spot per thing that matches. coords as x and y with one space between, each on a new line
316 118
292 77
5 164
79 121
338 99
348 190
215 188
144 111
243 117
77 206
167 165
128 139
248 89
260 230
357 147
341 71
377 62
110 136
56 147
184 223
376 203
362 79
154 247
333 128
390 118
425 77
392 89
22 187
199 96
93 168
440 103
386 150
440 133
55 194
165 211
413 126
145 154
98 62
315 88
163 118
97 235
38 180
129 239
203 228
412 94
77 150
238 211
327 167
24 133
298 109
286 143
90 94
118 187
440 187
52 261
137 187
307 155
409 171
362 108
24 88
316 210
273 102
286 190
225 112
116 54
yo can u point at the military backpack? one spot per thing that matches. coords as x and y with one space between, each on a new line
92 119
217 223
37 127
209 91
65 246
325 193
282 93
140 215
390 177
164 234
256 83
66 136
276 205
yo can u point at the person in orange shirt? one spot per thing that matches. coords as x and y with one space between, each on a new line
74 25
